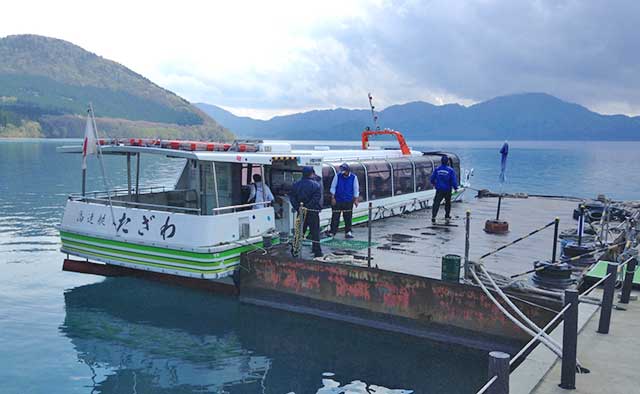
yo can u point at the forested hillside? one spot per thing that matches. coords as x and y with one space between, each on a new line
47 83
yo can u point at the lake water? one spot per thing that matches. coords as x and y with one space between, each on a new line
567 168
71 333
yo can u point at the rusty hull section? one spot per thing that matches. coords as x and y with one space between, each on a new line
87 267
416 305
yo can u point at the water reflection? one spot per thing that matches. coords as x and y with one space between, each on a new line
138 335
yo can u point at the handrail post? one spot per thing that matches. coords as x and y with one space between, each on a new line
630 270
466 244
555 240
129 175
499 366
580 225
369 235
569 340
607 299
138 177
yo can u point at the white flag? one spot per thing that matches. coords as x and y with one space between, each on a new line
89 144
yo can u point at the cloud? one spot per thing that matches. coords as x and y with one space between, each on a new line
442 51
278 56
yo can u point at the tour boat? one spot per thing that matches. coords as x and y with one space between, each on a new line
202 226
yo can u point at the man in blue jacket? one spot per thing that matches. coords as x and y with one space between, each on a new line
345 192
308 192
444 179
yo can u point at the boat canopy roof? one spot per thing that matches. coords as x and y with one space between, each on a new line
259 155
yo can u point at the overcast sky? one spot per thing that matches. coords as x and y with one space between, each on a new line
272 57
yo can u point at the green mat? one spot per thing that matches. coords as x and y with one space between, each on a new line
600 270
334 243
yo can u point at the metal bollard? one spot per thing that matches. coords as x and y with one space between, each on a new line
569 340
607 299
467 274
628 281
499 366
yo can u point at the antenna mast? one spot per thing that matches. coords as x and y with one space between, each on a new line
373 112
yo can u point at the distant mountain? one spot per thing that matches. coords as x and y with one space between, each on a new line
47 83
527 116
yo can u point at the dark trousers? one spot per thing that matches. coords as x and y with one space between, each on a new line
347 207
442 194
312 221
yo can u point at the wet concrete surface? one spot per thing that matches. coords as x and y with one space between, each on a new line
411 244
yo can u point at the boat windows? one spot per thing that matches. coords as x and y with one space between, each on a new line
327 178
358 170
402 176
220 185
248 171
424 169
282 179
379 177
455 164
328 172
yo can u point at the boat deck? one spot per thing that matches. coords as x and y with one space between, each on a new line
411 244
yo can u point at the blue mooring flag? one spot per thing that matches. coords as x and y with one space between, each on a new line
504 151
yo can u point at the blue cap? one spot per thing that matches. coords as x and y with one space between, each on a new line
444 160
307 170
345 167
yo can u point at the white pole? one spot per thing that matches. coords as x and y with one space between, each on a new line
104 176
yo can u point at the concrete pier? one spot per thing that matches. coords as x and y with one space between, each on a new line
410 244
612 358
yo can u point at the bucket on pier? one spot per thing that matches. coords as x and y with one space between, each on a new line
496 227
451 268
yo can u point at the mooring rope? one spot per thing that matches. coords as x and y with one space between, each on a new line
298 233
511 317
578 257
517 240
524 317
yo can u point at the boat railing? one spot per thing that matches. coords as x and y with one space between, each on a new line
241 207
124 192
133 204
94 198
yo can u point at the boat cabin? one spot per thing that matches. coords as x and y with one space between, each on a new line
218 182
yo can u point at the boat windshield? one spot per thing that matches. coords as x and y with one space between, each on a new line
202 188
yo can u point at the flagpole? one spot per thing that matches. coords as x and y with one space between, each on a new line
84 180
104 176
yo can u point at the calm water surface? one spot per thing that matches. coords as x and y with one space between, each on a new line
71 333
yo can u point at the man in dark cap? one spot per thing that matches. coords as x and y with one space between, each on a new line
345 192
444 179
308 192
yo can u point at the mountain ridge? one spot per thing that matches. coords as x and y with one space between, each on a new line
518 116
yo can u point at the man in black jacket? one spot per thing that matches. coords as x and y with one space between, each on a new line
308 192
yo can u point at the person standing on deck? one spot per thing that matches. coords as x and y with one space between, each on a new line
345 192
444 179
259 192
308 192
